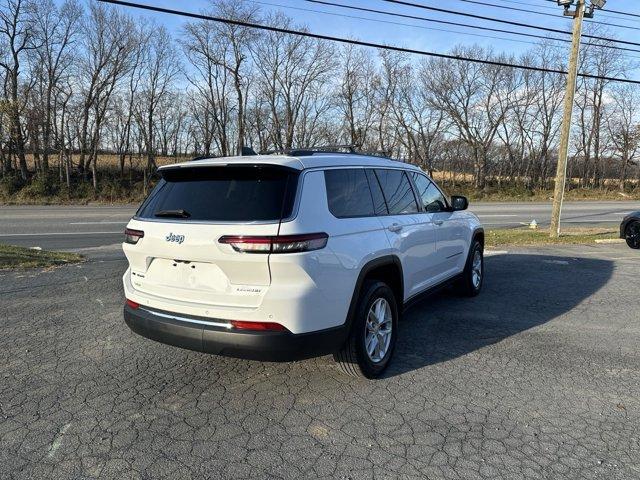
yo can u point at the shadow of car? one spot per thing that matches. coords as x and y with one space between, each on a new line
521 292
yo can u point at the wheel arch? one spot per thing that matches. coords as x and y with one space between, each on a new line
478 234
388 269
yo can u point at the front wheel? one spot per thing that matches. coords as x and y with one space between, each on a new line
473 275
632 235
369 348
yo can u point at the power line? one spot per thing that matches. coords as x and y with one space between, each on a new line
617 12
509 22
433 20
389 22
555 8
317 36
466 25
554 15
629 14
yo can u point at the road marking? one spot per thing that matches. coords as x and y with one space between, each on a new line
56 233
556 262
496 215
490 253
57 442
99 223
501 224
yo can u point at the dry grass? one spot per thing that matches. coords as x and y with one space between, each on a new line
111 190
528 237
19 257
113 161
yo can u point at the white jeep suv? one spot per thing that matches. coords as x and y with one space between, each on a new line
281 257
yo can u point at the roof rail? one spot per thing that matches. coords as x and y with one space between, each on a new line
377 153
248 152
346 149
312 150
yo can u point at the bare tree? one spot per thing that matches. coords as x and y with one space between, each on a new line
17 37
592 105
108 47
56 29
233 54
355 95
385 92
476 98
289 68
161 69
529 131
126 102
421 128
624 128
86 78
211 82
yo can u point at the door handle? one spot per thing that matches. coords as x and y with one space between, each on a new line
396 227
438 222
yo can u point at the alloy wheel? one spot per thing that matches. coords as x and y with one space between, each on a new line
476 269
378 330
632 235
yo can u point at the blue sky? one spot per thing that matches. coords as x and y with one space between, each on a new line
412 33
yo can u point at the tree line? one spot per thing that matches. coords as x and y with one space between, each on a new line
80 80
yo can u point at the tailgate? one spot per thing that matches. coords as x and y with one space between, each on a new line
179 256
188 263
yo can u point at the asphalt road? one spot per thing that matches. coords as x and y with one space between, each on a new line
538 377
76 227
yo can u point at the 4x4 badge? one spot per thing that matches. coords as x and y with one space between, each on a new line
174 238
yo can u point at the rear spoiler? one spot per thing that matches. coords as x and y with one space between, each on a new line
290 163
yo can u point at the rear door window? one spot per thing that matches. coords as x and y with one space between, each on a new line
223 194
379 205
348 193
397 191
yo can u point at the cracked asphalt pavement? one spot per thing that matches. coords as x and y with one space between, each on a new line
538 377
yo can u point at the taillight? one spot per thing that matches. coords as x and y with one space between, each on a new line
276 244
132 304
259 326
132 236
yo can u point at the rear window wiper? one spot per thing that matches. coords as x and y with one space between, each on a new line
173 213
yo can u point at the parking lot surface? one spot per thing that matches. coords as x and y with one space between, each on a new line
538 377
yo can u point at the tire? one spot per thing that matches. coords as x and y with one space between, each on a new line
471 282
354 359
632 235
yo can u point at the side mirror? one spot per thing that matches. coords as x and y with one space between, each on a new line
458 202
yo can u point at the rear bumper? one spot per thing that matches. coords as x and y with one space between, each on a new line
196 333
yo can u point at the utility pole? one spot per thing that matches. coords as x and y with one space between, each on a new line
578 15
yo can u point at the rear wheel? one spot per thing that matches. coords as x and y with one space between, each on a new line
473 276
370 345
632 235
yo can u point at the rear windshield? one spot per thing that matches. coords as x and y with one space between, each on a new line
223 194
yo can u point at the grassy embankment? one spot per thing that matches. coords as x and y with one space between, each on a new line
20 257
528 237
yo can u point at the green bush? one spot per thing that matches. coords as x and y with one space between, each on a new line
81 190
42 185
10 184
